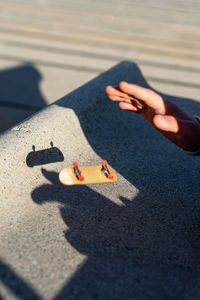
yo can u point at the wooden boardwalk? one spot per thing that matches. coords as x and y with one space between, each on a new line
48 48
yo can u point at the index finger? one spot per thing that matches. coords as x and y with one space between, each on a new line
115 91
149 97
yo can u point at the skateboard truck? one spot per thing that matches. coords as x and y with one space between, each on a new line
77 171
106 170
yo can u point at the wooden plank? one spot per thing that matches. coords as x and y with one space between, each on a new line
93 9
93 37
116 17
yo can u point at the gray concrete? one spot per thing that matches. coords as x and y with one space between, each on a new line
135 239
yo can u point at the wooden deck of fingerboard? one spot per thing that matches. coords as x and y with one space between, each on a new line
91 174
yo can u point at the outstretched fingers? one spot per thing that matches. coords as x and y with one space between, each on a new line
115 94
147 96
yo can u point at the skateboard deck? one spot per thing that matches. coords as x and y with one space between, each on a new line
89 175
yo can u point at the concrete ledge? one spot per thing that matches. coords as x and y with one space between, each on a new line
59 123
134 239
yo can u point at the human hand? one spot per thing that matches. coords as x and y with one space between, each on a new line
174 123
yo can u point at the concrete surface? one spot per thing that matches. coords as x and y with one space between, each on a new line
49 48
135 239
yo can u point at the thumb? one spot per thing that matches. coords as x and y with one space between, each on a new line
166 123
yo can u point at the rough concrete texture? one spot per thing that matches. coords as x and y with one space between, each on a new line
135 239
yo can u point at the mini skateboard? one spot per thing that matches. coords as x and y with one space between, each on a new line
88 174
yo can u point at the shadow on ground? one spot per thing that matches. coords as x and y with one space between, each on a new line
16 284
149 247
20 94
44 156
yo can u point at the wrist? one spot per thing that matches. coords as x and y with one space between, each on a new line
195 151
